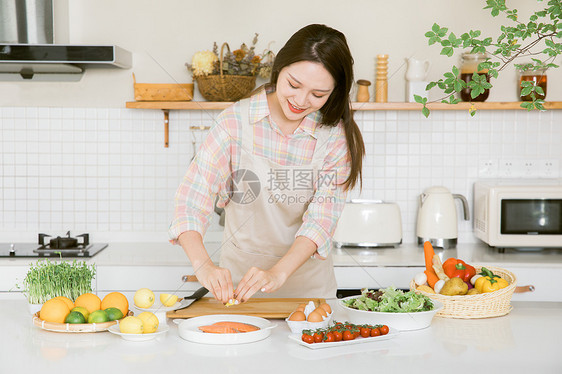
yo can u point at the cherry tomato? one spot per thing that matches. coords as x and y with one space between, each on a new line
375 331
329 337
338 336
348 335
356 332
365 332
307 338
318 337
384 329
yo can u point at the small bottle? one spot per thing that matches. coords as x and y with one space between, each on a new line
538 77
363 90
469 66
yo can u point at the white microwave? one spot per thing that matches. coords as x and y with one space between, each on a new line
518 213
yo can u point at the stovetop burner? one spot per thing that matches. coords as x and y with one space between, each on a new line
65 246
64 242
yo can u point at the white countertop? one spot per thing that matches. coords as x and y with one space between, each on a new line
520 342
405 255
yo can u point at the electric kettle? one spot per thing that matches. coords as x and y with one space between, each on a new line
437 217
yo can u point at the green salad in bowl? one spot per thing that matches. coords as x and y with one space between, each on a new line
390 306
390 300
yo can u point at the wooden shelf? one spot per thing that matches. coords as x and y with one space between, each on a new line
208 105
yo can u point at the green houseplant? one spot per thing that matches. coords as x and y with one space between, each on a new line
538 38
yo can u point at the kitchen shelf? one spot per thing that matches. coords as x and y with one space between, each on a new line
166 106
208 105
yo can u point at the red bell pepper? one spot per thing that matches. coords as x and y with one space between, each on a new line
454 267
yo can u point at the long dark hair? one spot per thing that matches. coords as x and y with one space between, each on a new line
327 46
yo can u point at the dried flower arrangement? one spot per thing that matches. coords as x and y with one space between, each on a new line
243 61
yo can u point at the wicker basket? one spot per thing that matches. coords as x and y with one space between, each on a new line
163 91
221 87
491 304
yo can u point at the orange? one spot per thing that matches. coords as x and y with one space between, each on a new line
54 310
89 301
116 300
68 302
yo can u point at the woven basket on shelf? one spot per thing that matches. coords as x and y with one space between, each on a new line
491 304
221 87
162 91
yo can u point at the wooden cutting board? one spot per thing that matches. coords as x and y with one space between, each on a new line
257 307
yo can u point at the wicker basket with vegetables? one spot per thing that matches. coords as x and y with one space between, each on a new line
466 291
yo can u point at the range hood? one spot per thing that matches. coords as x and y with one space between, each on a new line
30 48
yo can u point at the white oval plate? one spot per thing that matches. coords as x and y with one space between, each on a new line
162 329
392 333
189 329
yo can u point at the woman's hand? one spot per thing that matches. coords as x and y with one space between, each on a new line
257 279
217 280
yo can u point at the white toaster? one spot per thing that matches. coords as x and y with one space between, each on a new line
369 223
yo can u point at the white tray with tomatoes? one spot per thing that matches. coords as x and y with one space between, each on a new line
340 334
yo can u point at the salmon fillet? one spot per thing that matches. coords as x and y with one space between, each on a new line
227 327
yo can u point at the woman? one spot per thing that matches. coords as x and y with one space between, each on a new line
281 163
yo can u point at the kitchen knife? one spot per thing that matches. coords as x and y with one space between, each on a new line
195 296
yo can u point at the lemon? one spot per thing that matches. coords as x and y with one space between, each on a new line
75 317
98 316
82 310
167 299
149 322
113 313
131 325
144 298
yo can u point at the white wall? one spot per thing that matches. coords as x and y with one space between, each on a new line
163 35
73 158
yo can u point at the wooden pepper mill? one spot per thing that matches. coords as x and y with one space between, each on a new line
363 90
381 83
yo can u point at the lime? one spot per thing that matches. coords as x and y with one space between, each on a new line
98 316
75 317
113 314
82 310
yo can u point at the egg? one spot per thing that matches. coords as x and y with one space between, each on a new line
326 307
297 316
314 316
301 307
321 311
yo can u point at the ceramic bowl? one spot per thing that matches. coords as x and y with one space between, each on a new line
399 321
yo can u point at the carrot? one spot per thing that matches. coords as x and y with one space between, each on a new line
428 252
432 278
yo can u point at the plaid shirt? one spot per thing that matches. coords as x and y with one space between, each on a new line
220 153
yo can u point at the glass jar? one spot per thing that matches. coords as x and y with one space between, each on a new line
469 66
538 77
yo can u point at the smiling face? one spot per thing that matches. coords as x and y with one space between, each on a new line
303 88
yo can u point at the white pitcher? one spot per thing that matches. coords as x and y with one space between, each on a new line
417 69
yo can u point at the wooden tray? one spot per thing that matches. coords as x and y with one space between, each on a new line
73 327
257 307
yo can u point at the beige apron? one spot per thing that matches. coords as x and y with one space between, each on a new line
260 229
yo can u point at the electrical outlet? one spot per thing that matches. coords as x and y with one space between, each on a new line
488 168
507 169
529 168
549 168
